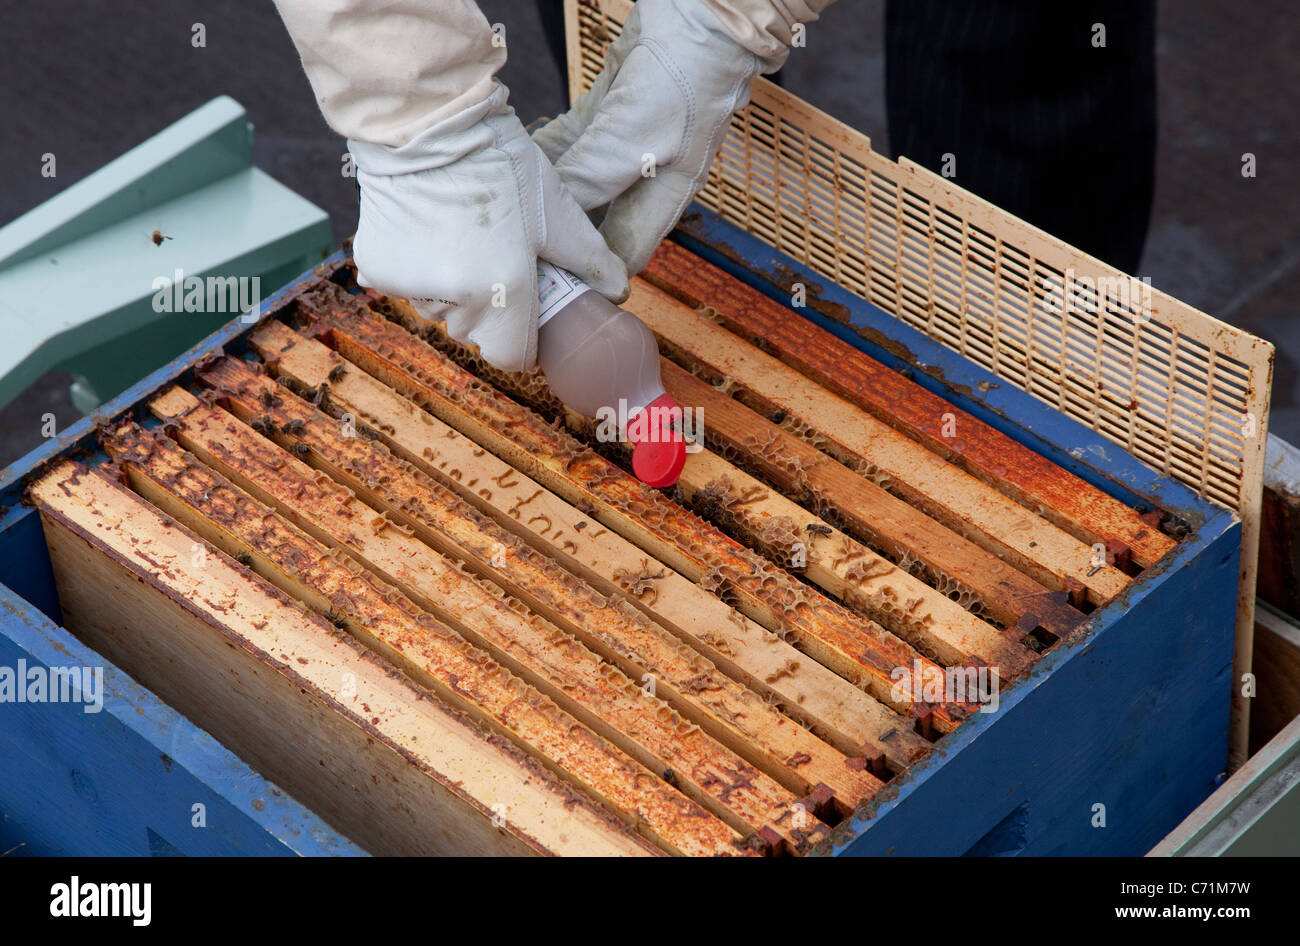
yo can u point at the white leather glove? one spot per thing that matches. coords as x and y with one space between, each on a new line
670 84
456 219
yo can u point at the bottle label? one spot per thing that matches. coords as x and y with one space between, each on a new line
556 288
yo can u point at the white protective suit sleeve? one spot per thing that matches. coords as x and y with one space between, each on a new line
386 70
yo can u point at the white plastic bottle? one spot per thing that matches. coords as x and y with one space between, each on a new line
598 357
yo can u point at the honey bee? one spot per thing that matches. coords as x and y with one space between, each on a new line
158 237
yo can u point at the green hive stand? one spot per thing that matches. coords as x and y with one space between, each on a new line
77 273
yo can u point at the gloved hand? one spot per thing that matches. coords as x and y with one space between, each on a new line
670 84
456 219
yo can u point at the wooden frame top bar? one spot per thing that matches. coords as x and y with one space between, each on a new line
1010 467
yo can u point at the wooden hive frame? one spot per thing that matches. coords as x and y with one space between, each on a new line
237 655
1181 391
728 671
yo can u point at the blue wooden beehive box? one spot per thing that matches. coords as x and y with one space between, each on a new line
1112 739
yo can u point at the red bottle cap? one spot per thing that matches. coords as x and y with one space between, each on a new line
659 449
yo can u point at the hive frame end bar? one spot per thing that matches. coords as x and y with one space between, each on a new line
137 741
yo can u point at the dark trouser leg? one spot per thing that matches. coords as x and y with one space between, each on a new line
1038 120
551 13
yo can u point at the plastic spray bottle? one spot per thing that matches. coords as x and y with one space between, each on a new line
599 358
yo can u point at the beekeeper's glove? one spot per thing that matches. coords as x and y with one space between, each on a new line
639 144
455 220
